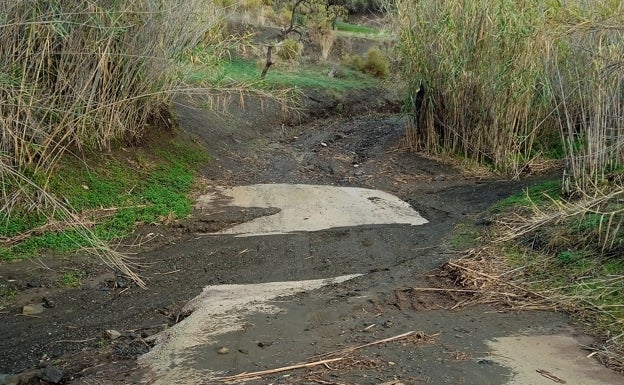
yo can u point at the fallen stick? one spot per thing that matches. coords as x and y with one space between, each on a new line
278 370
354 348
341 352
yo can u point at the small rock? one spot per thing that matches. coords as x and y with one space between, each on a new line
48 303
244 351
32 309
112 334
7 379
223 350
52 374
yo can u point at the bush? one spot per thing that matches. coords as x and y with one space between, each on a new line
289 50
353 61
374 63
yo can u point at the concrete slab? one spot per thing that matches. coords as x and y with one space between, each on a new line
549 359
312 208
217 310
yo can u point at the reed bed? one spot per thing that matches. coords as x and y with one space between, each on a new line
507 81
78 75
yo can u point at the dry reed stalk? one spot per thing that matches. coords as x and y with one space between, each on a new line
322 359
324 37
112 258
562 210
77 74
479 62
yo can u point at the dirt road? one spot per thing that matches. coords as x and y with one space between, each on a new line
298 297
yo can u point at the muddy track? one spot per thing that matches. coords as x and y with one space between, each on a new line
357 150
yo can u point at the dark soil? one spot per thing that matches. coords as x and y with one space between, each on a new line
362 145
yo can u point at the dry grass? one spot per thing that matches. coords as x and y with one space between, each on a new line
77 75
561 255
504 79
323 36
489 278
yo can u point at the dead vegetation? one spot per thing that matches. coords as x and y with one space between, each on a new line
559 255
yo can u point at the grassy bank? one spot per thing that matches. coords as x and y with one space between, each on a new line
80 79
545 252
111 194
287 75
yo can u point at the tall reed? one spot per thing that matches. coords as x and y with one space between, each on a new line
501 76
479 63
586 64
75 73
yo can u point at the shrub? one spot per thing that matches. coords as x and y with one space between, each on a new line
352 61
374 63
289 49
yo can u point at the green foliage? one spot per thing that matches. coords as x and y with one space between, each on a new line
569 257
246 72
7 293
353 61
376 64
358 29
464 236
134 196
539 194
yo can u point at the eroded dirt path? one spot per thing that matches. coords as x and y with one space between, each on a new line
364 283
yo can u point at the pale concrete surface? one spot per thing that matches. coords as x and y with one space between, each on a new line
312 208
558 355
217 310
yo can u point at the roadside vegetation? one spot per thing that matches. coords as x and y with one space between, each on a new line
78 79
89 147
518 86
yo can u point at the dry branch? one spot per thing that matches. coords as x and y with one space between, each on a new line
342 353
261 373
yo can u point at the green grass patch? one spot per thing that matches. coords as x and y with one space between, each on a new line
464 236
72 278
114 195
569 251
7 293
355 28
535 195
239 71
